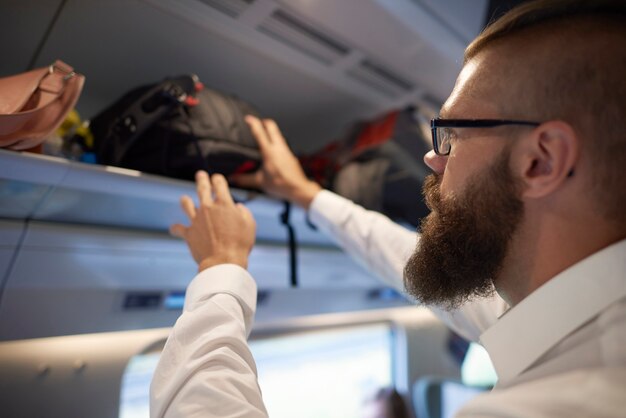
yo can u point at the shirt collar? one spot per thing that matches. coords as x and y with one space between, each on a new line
559 307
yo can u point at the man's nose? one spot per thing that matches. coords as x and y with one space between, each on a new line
437 163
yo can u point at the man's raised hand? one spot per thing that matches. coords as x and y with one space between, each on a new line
220 230
281 174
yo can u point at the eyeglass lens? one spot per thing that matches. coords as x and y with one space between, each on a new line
444 136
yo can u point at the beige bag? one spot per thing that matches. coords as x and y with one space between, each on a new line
33 104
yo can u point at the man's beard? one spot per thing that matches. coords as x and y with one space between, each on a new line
464 240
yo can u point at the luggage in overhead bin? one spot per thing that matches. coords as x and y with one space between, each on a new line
33 104
175 128
378 165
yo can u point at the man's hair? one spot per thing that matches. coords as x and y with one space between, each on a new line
567 61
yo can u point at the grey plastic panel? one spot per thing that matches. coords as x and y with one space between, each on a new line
88 257
466 18
282 304
20 200
318 268
23 24
25 181
6 254
10 233
70 279
56 190
77 376
37 313
323 268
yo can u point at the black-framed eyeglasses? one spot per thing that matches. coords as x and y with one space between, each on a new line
442 135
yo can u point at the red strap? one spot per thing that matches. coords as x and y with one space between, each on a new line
192 101
246 167
377 131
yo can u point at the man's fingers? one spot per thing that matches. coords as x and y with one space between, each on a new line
203 186
248 180
222 193
273 131
178 230
247 215
188 207
258 131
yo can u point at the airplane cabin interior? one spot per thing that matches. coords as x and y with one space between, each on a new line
91 282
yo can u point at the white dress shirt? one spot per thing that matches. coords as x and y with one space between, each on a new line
206 368
559 353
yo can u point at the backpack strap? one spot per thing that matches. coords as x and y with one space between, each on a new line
293 250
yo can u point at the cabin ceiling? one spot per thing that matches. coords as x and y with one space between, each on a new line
314 66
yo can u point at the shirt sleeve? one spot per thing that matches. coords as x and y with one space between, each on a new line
384 247
372 239
206 368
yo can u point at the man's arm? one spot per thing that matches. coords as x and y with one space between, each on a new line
371 238
383 247
379 244
206 368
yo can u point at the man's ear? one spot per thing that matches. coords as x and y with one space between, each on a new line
547 158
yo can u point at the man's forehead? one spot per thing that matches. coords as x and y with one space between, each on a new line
470 98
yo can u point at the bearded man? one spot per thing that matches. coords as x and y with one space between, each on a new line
524 249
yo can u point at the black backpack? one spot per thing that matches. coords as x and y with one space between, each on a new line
175 128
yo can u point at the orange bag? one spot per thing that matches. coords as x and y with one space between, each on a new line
33 104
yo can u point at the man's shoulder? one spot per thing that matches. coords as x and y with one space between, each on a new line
585 392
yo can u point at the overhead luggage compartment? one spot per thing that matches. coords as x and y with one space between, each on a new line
314 66
85 249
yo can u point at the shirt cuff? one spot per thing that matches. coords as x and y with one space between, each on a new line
224 278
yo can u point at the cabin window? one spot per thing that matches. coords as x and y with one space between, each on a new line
328 372
135 392
477 368
324 373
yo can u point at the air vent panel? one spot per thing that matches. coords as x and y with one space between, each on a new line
303 37
232 8
380 79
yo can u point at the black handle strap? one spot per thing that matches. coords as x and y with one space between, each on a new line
293 256
147 110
